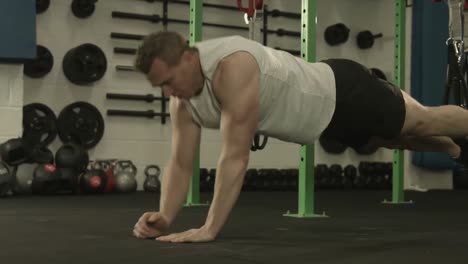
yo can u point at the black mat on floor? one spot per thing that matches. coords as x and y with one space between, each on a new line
359 229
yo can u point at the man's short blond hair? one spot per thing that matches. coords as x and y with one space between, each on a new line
165 45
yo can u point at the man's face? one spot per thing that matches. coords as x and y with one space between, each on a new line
175 80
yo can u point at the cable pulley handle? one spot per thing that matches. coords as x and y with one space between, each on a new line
253 5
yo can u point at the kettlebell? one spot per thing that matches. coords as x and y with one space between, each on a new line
45 179
14 151
125 176
105 165
73 156
42 155
24 175
152 183
5 180
93 181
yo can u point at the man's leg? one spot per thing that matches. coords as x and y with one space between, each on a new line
426 121
421 144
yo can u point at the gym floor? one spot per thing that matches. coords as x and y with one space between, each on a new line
97 229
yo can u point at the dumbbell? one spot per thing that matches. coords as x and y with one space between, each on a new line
365 39
349 176
368 170
380 175
336 34
293 178
276 180
210 180
321 173
336 176
249 177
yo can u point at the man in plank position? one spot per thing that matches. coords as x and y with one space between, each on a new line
242 87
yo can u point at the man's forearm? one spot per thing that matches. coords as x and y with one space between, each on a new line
228 184
175 184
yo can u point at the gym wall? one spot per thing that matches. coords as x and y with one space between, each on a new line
147 141
11 100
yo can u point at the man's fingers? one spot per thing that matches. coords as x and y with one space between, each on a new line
176 236
153 219
144 227
137 234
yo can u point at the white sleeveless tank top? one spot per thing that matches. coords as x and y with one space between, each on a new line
297 98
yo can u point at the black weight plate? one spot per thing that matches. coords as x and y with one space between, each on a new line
84 64
332 146
41 65
39 124
42 6
83 8
81 123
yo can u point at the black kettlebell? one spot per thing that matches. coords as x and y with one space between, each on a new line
15 151
152 183
93 181
72 156
5 180
45 179
41 155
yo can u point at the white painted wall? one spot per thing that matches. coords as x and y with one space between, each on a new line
11 101
147 141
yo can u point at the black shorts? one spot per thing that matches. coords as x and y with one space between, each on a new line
366 106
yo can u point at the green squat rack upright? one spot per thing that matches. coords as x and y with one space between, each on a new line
398 155
306 191
196 21
306 184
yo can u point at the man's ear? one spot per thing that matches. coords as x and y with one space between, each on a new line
188 56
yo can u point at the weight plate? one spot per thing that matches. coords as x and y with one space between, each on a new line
84 64
332 146
39 124
42 6
80 123
83 8
41 65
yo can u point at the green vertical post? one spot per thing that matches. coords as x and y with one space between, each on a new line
306 190
196 20
398 176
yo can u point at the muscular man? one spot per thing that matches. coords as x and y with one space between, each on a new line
242 87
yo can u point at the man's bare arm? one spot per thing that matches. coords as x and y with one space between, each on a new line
185 144
237 88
